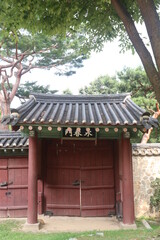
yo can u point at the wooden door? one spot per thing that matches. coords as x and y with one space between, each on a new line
97 181
61 190
3 187
14 192
80 179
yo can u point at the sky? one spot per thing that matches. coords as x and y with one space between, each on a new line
108 61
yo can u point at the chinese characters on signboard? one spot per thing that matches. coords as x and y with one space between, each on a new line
78 132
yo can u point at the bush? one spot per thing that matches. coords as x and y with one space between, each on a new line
155 199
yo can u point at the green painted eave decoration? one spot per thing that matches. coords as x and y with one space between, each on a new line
10 152
78 132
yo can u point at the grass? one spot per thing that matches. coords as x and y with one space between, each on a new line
10 230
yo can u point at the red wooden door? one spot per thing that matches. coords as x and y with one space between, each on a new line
14 194
61 193
80 179
97 181
3 188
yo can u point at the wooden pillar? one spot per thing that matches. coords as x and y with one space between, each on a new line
32 181
127 182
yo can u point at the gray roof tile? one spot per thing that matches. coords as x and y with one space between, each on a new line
11 139
112 109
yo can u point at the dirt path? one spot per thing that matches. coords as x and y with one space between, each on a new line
77 224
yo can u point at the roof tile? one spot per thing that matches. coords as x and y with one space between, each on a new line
114 109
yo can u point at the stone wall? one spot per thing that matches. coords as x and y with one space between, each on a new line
146 167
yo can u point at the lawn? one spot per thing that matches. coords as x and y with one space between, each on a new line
11 230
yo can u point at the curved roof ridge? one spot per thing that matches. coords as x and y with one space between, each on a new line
56 97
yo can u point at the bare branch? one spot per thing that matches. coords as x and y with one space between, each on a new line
30 61
4 78
1 97
6 66
40 67
32 67
15 65
6 59
16 50
1 44
16 85
28 53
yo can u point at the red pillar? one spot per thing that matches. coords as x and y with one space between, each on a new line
32 181
127 182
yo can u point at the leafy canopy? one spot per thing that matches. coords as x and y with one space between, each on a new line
47 51
98 21
96 18
28 88
127 80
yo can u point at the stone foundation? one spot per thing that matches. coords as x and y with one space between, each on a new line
146 167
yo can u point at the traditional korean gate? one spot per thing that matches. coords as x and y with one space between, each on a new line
80 179
13 187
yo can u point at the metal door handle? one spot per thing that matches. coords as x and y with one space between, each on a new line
5 184
76 183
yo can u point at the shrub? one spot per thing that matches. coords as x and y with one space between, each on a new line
155 198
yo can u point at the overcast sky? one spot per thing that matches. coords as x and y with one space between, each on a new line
109 61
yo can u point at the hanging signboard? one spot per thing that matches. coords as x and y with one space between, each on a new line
73 132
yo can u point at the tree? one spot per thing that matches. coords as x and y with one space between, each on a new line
19 56
28 88
67 91
137 82
127 80
100 20
102 85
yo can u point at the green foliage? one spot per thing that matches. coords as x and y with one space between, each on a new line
47 51
28 88
127 80
137 82
95 22
96 18
67 92
155 199
102 85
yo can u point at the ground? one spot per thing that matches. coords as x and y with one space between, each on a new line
12 230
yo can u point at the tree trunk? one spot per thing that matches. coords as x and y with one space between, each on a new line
152 23
139 46
5 110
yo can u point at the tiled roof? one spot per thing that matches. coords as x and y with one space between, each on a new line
13 140
112 109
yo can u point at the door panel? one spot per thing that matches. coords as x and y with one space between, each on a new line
62 197
80 179
97 189
18 187
14 196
